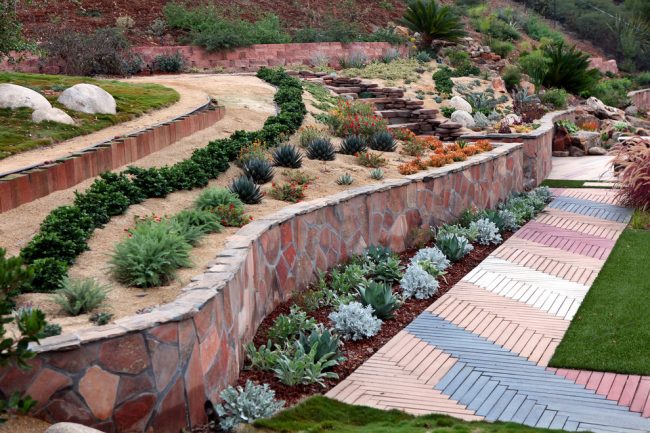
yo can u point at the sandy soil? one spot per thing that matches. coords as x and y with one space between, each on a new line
191 98
23 424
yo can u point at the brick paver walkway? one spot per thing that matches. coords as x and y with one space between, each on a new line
481 351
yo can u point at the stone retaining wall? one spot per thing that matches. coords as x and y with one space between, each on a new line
153 372
538 146
640 99
244 59
32 183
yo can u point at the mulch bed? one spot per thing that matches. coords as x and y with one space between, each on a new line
357 352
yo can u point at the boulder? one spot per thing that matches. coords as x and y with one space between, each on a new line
88 98
637 122
69 427
603 111
574 151
632 111
585 140
464 118
597 151
561 140
460 104
528 86
52 115
499 85
511 119
13 96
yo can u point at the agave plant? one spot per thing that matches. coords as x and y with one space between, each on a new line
569 68
345 179
380 297
247 190
383 142
260 170
352 145
287 156
432 21
376 174
321 149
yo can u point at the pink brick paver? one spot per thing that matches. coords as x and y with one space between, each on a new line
521 300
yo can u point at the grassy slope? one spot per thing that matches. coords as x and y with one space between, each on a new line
611 330
319 414
19 133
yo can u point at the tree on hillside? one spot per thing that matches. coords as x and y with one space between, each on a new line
433 21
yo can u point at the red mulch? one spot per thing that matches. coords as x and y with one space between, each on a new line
356 352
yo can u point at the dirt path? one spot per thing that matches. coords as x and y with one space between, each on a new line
248 101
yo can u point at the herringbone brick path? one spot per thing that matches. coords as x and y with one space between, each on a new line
481 351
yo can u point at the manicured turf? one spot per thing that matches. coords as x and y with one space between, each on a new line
565 183
611 331
321 415
19 133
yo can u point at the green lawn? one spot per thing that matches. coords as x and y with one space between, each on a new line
19 133
565 183
611 331
321 415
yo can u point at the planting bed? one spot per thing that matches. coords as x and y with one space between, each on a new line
356 352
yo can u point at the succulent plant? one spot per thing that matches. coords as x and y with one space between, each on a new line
352 145
380 297
287 156
345 179
383 142
247 190
260 170
376 174
321 149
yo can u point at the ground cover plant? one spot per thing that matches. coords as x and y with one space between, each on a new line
612 322
19 133
320 415
65 232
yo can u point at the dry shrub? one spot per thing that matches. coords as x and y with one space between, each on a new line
632 162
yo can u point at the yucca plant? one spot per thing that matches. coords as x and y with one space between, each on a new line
321 149
260 170
432 21
380 297
345 179
569 68
287 156
376 174
383 142
247 190
352 145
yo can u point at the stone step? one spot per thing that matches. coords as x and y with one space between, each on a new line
393 113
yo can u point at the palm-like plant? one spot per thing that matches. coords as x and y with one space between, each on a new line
432 21
569 68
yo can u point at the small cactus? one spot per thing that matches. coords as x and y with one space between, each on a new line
376 174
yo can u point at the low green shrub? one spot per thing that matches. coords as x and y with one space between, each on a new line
501 48
150 256
172 63
442 78
613 91
290 326
511 75
48 275
537 29
555 97
77 297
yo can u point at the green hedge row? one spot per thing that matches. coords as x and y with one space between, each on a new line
65 231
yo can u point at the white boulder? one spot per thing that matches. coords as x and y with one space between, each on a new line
52 115
13 96
88 98
69 427
603 111
512 119
460 104
464 118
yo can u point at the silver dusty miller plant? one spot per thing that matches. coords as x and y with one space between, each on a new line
245 405
488 232
418 282
433 255
355 322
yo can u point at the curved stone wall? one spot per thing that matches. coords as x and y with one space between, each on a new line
640 99
538 146
31 183
155 370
